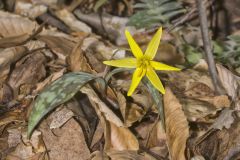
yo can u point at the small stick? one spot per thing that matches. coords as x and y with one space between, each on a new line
208 47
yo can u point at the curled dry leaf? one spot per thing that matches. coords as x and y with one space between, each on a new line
119 138
131 112
230 83
11 55
30 10
224 120
177 129
69 19
60 117
29 70
77 60
29 149
13 25
113 25
102 107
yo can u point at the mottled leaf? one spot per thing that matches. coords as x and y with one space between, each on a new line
57 93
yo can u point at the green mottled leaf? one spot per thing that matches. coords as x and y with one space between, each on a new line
155 12
157 98
55 94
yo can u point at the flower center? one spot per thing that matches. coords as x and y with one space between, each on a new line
143 63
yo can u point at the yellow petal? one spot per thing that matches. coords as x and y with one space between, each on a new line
125 63
164 67
137 76
153 45
136 50
154 79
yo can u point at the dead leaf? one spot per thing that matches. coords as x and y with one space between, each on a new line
12 55
224 120
177 129
14 137
131 112
29 70
60 117
54 76
28 149
29 9
115 138
60 45
70 20
77 60
14 25
102 107
230 83
66 142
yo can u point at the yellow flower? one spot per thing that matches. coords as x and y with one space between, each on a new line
143 63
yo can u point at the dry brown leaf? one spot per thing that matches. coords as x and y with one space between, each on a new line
67 142
230 83
28 149
177 129
59 45
70 20
77 60
131 112
54 76
224 120
13 41
28 71
12 55
60 117
13 25
102 107
29 10
119 138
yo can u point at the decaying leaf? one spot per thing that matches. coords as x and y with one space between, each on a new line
102 107
14 25
131 112
60 117
30 10
67 142
224 120
28 71
115 138
77 60
69 19
177 129
231 84
12 55
29 149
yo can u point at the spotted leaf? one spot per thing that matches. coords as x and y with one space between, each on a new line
57 93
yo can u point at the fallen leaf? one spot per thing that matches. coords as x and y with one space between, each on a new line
224 120
14 25
29 9
70 20
230 83
131 112
77 60
28 149
67 142
11 55
60 117
29 70
177 129
115 138
102 107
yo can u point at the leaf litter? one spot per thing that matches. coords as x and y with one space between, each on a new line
44 44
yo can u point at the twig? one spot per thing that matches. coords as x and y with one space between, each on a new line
208 47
